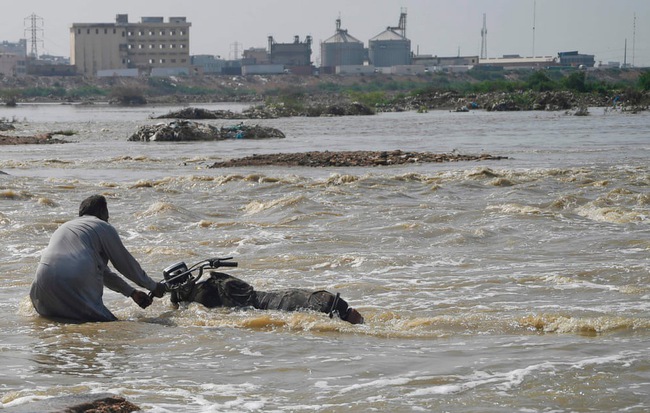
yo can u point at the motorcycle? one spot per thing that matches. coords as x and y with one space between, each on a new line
179 274
183 283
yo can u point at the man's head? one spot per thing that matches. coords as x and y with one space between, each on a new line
94 205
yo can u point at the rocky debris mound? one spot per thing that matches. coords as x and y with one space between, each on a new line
106 405
350 159
185 130
199 113
529 100
98 403
41 139
274 111
555 101
582 111
561 100
425 101
329 108
5 126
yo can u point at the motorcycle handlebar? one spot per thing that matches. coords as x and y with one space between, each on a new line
227 264
211 263
222 262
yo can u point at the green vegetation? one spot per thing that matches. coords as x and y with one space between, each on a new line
539 81
43 92
644 80
56 92
371 90
9 96
86 91
291 98
128 95
484 80
370 99
575 82
329 87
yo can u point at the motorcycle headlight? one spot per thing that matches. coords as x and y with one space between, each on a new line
176 274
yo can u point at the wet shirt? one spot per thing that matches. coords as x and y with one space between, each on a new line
73 271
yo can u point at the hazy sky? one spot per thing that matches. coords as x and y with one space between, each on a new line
437 27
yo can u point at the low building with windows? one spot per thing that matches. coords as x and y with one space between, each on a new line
13 58
12 65
576 59
17 48
151 45
511 62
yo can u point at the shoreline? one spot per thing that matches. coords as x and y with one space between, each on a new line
482 89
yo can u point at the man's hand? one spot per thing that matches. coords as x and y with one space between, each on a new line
141 298
160 290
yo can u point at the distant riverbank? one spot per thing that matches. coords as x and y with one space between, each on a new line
477 89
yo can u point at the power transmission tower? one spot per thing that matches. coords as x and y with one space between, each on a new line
484 39
234 50
35 30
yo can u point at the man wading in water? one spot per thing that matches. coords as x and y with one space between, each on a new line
73 271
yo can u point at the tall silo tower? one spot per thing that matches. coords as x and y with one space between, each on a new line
391 47
342 49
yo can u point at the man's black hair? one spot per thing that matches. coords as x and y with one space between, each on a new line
95 205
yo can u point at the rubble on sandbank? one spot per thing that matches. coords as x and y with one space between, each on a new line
185 130
350 159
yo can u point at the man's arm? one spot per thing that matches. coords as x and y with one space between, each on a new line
117 283
123 261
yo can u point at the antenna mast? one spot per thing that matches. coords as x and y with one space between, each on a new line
484 39
534 21
633 39
35 28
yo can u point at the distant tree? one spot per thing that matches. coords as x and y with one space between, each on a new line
540 82
9 97
576 81
123 95
644 80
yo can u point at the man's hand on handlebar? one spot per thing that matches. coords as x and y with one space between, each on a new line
160 290
141 298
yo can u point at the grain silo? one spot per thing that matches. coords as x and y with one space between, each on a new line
391 47
342 49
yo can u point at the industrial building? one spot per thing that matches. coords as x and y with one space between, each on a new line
391 47
295 56
151 46
509 62
12 65
13 58
256 56
157 47
576 59
438 63
18 48
342 49
278 58
207 64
